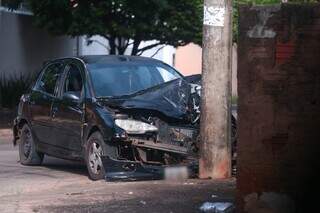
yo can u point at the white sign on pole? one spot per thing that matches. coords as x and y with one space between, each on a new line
214 16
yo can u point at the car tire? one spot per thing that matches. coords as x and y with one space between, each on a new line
27 150
94 149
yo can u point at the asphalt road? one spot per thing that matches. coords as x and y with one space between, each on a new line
63 186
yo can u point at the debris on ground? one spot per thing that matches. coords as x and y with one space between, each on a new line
143 202
75 193
190 183
217 207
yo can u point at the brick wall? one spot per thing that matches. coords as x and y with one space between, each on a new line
279 107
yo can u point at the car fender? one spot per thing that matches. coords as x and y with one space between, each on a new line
98 119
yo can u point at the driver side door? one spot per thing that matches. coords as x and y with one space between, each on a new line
68 113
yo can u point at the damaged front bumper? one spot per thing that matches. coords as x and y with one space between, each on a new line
122 170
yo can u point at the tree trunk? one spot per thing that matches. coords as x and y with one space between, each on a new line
135 46
112 44
122 45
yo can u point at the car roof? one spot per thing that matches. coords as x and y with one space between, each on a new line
109 59
114 59
92 59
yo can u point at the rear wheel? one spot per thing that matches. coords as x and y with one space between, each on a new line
95 148
27 150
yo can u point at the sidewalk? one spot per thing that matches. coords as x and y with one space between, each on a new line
6 136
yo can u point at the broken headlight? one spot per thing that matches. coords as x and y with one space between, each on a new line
135 127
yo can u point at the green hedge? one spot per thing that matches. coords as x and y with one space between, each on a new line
11 90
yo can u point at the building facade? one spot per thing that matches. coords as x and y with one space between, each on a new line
23 47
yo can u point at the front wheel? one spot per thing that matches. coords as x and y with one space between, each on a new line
27 150
93 152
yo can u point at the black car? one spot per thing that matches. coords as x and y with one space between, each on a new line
124 116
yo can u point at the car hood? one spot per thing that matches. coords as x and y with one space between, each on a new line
170 99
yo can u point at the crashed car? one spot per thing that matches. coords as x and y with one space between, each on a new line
126 117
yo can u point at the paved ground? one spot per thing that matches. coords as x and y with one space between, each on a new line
63 186
6 117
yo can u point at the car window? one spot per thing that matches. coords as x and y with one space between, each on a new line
50 77
166 74
73 82
111 80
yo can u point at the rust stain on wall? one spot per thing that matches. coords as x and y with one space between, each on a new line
284 52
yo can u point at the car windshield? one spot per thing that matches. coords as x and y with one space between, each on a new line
112 80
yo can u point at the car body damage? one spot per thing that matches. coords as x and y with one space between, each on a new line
127 118
170 108
170 99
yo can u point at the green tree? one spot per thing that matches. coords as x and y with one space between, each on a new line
127 23
123 23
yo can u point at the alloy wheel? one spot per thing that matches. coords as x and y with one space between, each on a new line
27 142
95 162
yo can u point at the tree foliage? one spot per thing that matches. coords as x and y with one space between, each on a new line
123 23
127 23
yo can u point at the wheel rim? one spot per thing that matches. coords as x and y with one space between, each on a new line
95 162
27 142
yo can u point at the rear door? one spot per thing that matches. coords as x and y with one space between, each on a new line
41 99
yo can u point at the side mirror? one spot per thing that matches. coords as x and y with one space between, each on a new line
73 97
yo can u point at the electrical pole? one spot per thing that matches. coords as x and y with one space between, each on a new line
215 133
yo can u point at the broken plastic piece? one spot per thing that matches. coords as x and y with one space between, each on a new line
217 207
143 202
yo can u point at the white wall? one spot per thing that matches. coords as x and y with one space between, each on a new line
24 48
165 54
98 47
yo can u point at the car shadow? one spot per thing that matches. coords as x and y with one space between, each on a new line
75 167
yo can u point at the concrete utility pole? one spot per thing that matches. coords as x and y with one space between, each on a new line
215 150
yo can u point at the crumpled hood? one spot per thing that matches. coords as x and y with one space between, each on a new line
170 99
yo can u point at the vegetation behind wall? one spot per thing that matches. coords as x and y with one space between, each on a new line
11 90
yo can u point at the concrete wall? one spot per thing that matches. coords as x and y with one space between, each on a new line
279 108
188 59
23 47
99 46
